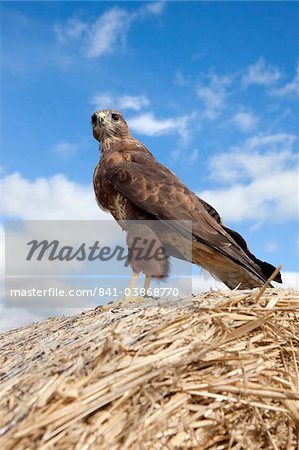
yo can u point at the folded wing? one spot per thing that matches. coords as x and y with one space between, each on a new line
155 190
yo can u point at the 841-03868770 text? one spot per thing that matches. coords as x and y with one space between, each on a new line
136 292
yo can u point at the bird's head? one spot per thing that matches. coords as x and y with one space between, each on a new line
110 124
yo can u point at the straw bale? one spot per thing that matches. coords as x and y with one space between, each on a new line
213 371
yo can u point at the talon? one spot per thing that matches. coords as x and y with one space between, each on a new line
130 298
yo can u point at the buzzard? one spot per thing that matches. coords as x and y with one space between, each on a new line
133 186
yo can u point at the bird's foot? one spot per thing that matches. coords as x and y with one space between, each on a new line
124 301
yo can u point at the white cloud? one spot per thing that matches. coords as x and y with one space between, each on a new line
184 156
290 280
148 125
213 95
205 282
11 318
248 163
288 89
131 102
245 121
271 246
180 79
48 198
271 141
258 185
109 101
155 8
175 154
65 148
108 33
261 73
71 30
193 156
274 198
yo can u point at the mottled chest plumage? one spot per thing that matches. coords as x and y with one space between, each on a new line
108 198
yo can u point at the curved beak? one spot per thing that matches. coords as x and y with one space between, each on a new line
98 118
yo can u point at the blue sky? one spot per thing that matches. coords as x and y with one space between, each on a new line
210 87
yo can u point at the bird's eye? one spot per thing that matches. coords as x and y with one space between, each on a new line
115 116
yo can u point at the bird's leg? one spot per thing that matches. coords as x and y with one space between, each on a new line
131 298
147 283
132 283
127 298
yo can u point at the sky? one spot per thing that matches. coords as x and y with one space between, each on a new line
211 88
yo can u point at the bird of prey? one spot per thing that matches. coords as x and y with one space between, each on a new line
133 186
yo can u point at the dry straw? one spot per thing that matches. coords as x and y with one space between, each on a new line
216 371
